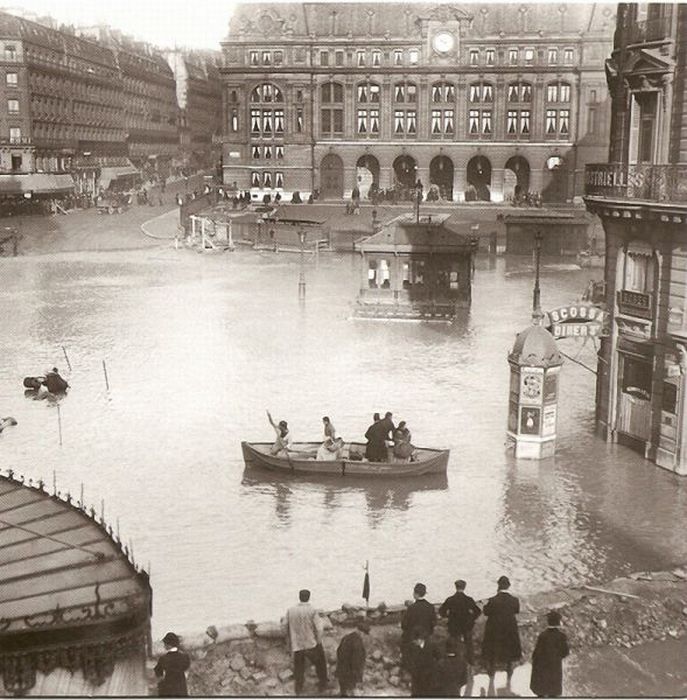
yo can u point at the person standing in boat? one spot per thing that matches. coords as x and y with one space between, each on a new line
54 383
375 451
330 449
282 444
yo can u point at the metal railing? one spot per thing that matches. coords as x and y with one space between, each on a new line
642 181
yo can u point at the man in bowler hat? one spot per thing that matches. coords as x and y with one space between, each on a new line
547 660
501 643
171 669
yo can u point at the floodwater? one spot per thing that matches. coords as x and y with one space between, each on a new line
197 347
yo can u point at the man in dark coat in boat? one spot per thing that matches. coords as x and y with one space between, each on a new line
547 660
350 659
54 383
420 615
171 669
375 450
501 643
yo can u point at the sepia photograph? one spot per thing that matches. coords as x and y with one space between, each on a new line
343 349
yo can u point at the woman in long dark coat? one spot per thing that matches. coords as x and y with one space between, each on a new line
501 643
171 669
547 660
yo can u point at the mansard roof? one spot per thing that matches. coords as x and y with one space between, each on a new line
403 20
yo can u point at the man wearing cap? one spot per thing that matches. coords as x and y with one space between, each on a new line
350 659
419 615
501 643
547 659
462 611
171 669
304 637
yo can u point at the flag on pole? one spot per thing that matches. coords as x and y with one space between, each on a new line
366 584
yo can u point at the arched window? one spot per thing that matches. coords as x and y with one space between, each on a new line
266 119
519 92
332 109
367 109
481 92
558 92
443 92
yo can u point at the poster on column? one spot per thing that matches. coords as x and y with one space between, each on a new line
529 420
549 421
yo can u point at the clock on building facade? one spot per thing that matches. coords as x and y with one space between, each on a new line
444 42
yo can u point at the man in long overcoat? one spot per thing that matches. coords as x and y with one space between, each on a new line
420 616
462 611
501 643
350 660
422 660
547 659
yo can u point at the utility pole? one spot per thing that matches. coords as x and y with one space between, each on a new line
537 314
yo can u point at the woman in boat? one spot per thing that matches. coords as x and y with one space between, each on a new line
282 444
403 449
330 449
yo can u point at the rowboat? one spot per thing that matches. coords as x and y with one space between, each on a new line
301 460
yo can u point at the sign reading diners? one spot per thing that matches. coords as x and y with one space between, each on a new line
575 320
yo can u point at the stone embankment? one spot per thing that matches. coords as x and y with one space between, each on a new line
251 659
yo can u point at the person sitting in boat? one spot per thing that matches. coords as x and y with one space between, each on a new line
403 448
282 444
54 383
330 449
375 451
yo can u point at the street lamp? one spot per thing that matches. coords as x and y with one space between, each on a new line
537 314
301 277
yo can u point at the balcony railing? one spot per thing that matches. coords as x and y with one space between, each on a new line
636 304
647 30
641 181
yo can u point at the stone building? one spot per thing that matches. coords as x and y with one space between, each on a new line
478 101
641 198
199 96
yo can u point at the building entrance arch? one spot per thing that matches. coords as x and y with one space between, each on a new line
440 179
405 176
331 177
479 180
516 178
367 175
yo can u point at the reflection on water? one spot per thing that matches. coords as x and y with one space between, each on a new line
197 347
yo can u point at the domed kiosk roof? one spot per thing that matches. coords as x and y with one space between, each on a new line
535 347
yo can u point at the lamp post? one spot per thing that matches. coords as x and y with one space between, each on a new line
301 277
536 293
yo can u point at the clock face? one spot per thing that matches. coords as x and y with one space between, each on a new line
444 42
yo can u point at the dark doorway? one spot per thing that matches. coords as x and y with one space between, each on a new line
479 180
405 173
367 175
440 179
331 177
521 172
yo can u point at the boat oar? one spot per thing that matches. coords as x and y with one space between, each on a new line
66 357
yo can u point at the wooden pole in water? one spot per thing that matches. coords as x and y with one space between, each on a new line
107 383
54 482
66 357
83 505
118 530
59 423
102 510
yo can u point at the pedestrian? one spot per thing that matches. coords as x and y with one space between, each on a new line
501 643
452 670
171 669
420 615
350 659
304 637
462 612
423 663
547 659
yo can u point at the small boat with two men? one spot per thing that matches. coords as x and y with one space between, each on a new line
387 452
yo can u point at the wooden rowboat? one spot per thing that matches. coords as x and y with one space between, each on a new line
301 460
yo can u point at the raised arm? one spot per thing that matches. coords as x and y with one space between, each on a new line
272 423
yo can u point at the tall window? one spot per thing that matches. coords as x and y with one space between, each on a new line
266 58
367 99
473 57
443 123
513 57
13 106
332 109
529 56
11 79
490 57
405 122
557 123
443 92
568 56
413 57
558 92
324 58
361 58
481 92
10 53
339 58
553 56
405 92
398 57
15 134
254 58
234 121
518 122
376 58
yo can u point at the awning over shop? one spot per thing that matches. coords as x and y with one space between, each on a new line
108 174
36 183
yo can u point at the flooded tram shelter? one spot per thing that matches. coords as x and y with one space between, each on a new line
416 268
